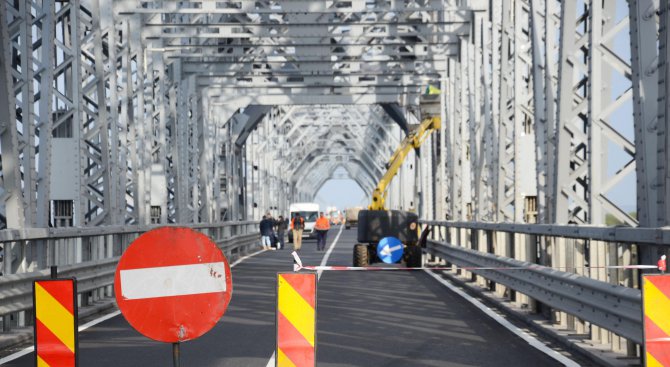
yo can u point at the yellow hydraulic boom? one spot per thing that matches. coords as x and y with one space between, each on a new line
411 141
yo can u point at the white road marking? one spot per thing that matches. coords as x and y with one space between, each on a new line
506 324
170 281
387 250
16 355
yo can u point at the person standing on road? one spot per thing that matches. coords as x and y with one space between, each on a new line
297 225
266 231
281 230
321 226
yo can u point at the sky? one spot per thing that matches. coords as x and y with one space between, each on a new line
342 194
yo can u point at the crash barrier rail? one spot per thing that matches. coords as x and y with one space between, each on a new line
578 271
90 255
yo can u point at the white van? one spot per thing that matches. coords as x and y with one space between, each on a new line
309 211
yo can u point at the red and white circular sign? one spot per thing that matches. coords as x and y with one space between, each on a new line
173 284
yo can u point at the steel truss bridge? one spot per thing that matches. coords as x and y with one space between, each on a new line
117 116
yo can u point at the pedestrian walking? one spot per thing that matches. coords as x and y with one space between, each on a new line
266 231
321 226
297 226
282 225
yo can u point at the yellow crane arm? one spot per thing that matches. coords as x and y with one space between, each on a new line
411 141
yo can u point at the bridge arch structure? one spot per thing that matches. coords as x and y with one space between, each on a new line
140 112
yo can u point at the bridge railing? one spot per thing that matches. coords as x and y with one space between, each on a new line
575 276
90 255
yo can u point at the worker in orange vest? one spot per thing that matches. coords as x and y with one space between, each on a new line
321 226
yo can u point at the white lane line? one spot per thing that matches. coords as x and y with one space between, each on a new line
16 355
246 257
506 324
271 362
330 250
91 323
98 320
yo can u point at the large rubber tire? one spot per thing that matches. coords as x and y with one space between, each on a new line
413 256
361 255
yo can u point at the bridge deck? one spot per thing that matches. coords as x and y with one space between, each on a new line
364 319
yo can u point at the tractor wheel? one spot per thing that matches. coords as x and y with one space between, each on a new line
413 256
361 255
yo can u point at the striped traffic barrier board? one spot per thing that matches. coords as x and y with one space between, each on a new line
296 320
656 304
55 322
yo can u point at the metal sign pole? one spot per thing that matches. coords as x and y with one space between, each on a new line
175 354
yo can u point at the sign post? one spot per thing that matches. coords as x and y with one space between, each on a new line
173 284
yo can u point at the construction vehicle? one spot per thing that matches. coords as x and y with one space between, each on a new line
351 218
378 222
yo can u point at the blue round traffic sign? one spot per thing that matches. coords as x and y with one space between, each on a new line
389 250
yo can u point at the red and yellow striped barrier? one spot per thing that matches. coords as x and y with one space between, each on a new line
296 320
55 322
656 304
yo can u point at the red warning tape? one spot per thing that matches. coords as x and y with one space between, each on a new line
298 266
532 267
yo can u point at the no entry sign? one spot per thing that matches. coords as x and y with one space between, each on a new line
173 284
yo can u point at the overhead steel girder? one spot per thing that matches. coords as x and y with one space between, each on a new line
263 98
395 112
356 7
417 29
298 82
362 32
254 114
352 49
334 88
330 12
342 67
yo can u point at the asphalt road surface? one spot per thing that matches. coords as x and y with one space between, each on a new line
363 319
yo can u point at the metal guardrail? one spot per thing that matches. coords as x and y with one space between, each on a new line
603 300
612 307
95 278
655 236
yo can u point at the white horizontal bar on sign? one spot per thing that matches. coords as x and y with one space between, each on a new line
169 281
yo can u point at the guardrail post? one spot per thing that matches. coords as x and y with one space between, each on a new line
480 235
579 262
519 248
7 258
597 260
501 249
